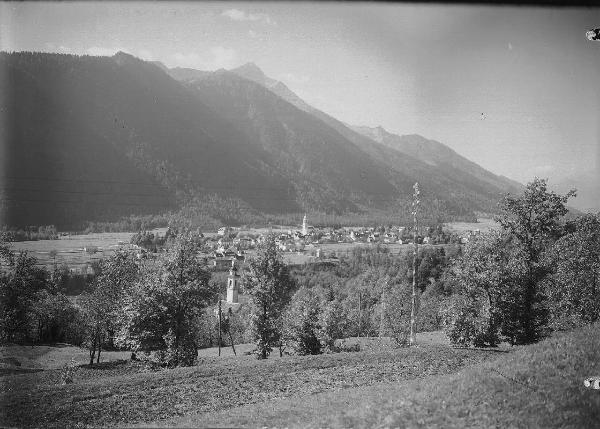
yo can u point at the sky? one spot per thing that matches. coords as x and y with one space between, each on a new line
514 89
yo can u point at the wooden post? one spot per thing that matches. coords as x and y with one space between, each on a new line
219 326
382 320
359 313
415 252
230 316
231 339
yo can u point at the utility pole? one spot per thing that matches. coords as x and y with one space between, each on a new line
219 326
382 320
359 313
415 205
229 317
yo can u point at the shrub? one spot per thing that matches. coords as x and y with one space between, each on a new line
468 320
331 324
67 374
301 326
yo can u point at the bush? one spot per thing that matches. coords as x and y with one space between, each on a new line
429 317
67 373
331 324
397 313
301 323
468 320
184 354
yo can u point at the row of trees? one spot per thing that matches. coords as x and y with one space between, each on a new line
46 232
367 294
536 274
33 303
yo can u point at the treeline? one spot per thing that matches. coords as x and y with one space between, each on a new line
538 274
150 304
30 233
34 303
212 211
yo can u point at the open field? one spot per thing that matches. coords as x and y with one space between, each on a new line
482 224
70 248
121 392
346 248
538 386
431 385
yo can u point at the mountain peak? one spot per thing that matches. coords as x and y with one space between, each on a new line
124 58
250 66
252 72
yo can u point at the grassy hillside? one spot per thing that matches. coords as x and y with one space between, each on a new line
126 393
539 386
431 385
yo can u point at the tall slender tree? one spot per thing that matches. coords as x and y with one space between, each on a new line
415 210
269 285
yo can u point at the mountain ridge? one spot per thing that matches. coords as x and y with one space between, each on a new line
131 136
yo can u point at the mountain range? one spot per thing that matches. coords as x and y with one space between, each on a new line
97 138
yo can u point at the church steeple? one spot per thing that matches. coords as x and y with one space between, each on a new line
304 226
232 284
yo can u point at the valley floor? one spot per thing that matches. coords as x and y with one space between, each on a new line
432 385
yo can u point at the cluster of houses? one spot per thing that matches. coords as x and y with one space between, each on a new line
231 244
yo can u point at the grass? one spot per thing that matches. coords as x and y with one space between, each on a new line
482 224
123 393
431 385
538 386
70 248
48 357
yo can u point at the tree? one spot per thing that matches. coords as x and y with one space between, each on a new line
20 281
301 326
162 307
53 314
331 324
473 315
269 285
103 304
534 219
398 311
574 286
413 308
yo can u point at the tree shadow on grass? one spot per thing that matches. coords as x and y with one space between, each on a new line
102 366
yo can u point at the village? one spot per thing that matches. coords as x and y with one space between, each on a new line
307 243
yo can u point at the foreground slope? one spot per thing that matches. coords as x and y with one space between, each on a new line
117 394
537 386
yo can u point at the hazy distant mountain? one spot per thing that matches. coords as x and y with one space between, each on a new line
587 185
252 72
437 155
461 181
327 171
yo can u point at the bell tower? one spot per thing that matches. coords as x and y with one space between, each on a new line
304 226
233 284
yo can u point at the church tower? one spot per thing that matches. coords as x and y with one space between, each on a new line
233 284
304 226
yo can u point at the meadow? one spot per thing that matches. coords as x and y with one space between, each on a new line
122 392
429 385
482 224
71 248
